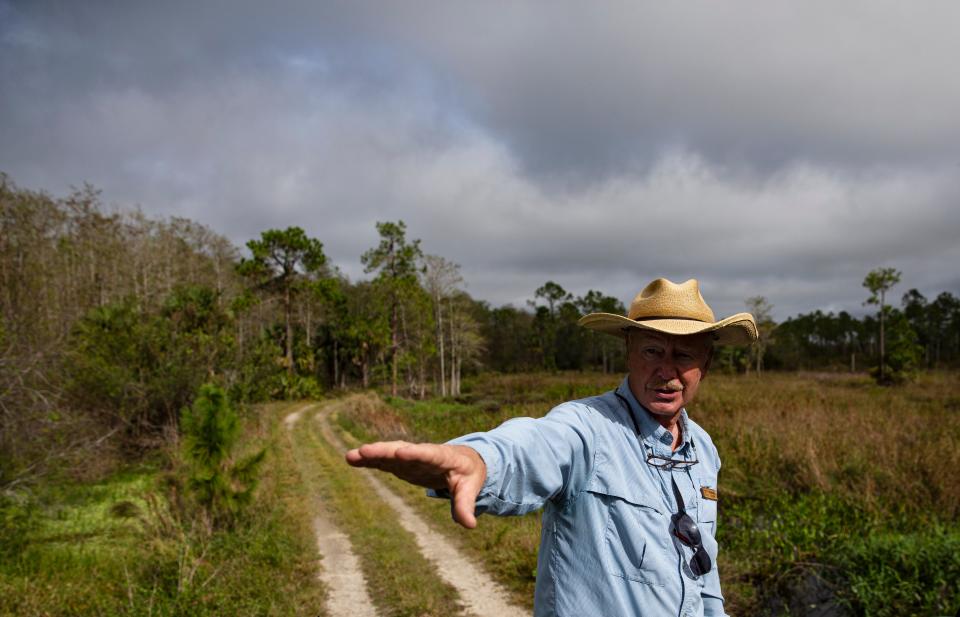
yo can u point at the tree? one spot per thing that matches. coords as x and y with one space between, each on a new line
396 259
879 282
596 302
944 317
137 368
917 311
210 431
284 262
466 341
903 353
545 320
761 309
440 278
552 294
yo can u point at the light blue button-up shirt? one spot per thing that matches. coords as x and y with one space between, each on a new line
606 547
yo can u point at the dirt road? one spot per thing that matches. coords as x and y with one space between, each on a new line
480 595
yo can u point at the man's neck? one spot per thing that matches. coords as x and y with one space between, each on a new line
674 426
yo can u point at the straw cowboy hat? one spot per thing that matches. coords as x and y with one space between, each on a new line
664 306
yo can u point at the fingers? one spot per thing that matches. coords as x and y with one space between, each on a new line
459 469
422 464
368 455
464 497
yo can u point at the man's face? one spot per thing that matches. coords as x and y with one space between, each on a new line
665 370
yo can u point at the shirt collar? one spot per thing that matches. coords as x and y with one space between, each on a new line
650 429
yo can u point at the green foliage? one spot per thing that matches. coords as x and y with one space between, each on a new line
280 255
395 258
285 264
878 282
298 387
106 357
892 574
553 294
17 520
140 368
259 374
210 429
396 262
81 558
903 353
872 565
761 309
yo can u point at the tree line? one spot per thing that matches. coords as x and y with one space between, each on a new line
110 321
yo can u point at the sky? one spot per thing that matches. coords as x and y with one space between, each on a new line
776 149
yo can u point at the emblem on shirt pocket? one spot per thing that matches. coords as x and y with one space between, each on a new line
707 506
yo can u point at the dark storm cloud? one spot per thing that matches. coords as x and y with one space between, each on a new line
781 150
583 86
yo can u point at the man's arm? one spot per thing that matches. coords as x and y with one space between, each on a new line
458 469
509 470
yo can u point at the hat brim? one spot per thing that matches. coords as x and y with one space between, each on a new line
739 329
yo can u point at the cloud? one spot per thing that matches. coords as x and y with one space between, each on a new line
582 88
782 152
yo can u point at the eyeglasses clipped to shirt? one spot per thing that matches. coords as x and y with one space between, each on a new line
683 526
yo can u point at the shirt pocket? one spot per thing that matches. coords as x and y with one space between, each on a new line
706 508
633 541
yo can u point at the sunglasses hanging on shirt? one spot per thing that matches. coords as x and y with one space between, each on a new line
686 530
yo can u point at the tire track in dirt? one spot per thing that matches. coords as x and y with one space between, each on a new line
480 594
341 571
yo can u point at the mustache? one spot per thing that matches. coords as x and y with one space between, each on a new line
673 385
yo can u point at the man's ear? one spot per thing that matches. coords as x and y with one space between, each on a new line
706 365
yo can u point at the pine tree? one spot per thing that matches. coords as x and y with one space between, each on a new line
210 429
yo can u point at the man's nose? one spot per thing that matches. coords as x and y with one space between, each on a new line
667 370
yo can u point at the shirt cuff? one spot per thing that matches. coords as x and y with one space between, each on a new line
487 496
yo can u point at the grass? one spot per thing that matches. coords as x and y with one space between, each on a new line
111 548
400 580
830 484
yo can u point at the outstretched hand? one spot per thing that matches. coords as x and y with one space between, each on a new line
458 469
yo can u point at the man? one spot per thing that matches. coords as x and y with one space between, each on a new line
628 481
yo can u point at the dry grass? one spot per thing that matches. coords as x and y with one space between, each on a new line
888 449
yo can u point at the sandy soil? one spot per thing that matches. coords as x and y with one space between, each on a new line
341 572
481 595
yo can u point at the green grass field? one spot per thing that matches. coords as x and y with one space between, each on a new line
832 489
113 548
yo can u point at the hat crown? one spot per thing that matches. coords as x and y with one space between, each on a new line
663 299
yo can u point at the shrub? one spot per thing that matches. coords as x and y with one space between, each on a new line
220 486
903 354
